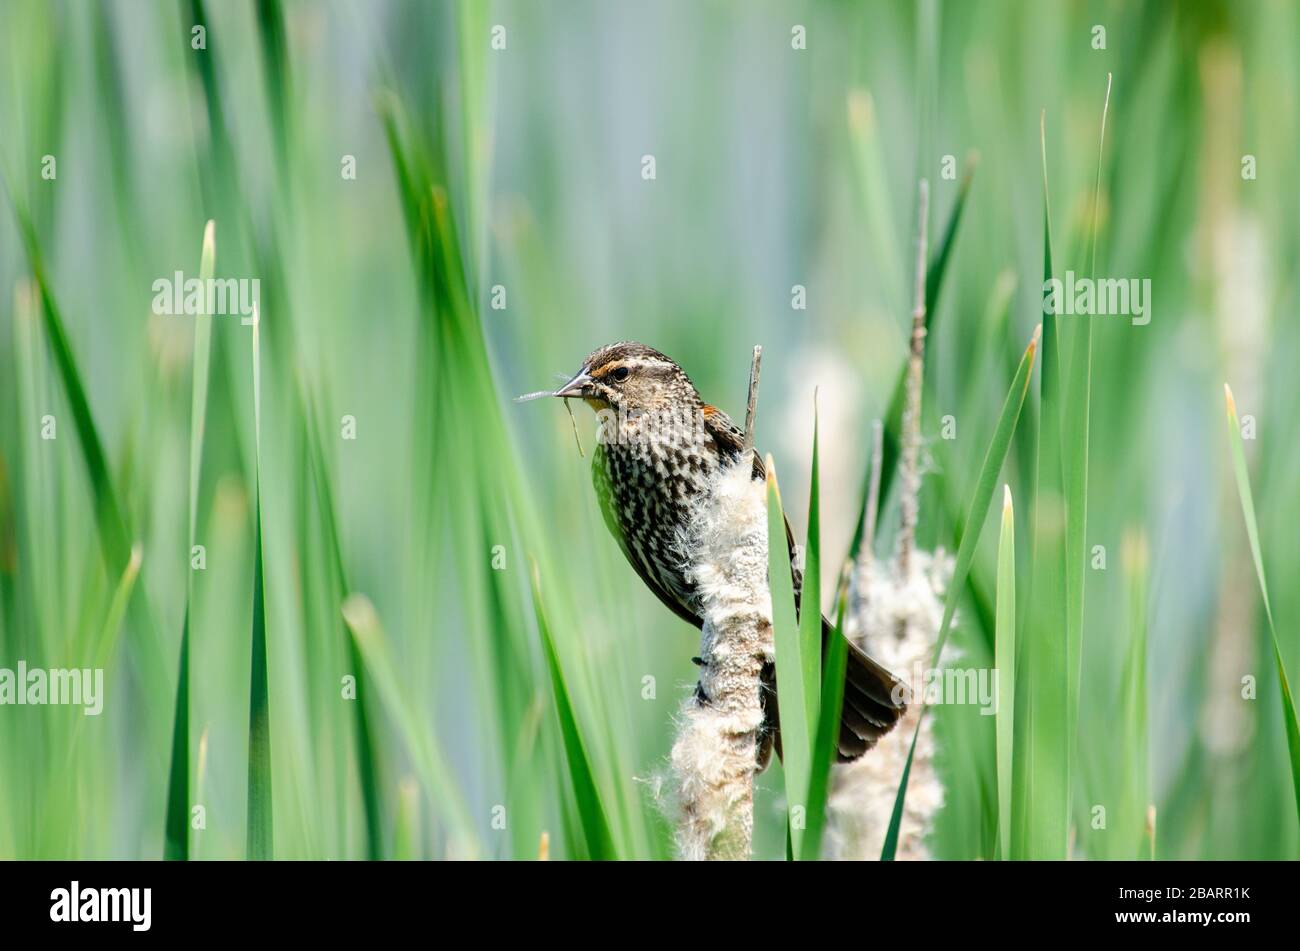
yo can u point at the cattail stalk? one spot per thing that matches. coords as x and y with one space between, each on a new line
912 410
751 406
898 608
715 755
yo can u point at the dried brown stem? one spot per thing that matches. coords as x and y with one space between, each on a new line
912 411
751 408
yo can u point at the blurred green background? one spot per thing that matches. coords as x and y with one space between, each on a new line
522 168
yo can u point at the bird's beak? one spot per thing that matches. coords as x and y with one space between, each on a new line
579 386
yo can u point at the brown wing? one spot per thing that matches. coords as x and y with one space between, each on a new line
870 710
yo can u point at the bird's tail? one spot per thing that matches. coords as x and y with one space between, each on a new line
873 704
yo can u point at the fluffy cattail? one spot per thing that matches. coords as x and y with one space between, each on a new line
896 621
714 757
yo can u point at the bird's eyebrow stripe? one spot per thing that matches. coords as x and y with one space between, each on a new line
614 364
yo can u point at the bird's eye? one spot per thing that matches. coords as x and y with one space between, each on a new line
620 374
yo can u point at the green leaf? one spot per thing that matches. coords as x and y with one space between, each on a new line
112 629
796 725
108 637
271 33
890 847
176 823
828 726
1074 461
810 615
1137 839
406 825
981 499
595 825
1252 533
113 534
260 842
363 714
472 22
176 837
220 182
199 382
1041 793
421 743
1005 665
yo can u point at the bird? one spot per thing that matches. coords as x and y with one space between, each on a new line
648 488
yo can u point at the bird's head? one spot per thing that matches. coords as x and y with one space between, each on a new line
630 378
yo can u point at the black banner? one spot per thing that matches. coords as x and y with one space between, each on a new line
116 900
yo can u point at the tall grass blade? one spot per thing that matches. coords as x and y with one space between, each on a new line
176 824
271 34
1005 665
810 614
493 503
176 839
109 636
363 714
199 383
977 512
1074 473
591 812
1137 784
1041 794
200 785
113 534
890 847
219 178
112 629
796 723
982 497
260 842
426 755
472 28
828 725
406 826
1252 533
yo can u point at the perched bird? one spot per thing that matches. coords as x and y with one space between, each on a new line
659 449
